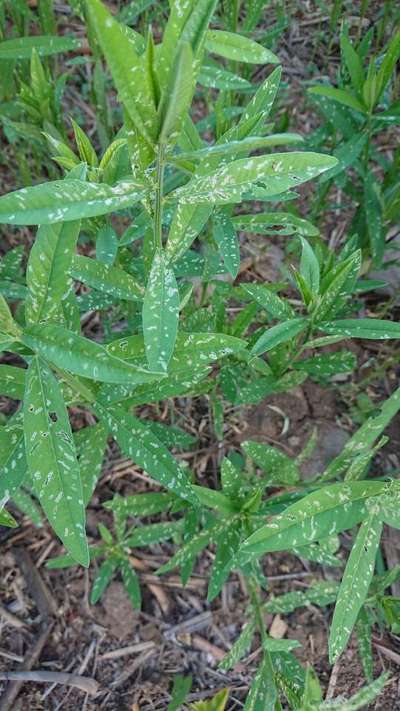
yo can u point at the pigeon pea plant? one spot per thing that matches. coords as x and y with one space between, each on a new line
159 207
363 106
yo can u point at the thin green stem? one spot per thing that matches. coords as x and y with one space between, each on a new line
158 205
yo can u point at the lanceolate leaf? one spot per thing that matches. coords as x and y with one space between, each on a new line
44 45
143 447
12 381
127 68
81 356
191 351
12 459
107 279
281 333
51 458
47 271
177 98
90 445
276 173
227 241
322 513
355 583
160 314
373 328
64 200
238 48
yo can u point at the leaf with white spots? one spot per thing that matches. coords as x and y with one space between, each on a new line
240 647
364 438
274 173
47 271
281 223
76 354
327 364
105 278
281 333
176 98
51 458
131 582
369 328
160 314
7 324
309 267
12 458
261 103
127 67
44 45
263 694
238 48
65 200
145 450
12 381
102 579
225 236
355 583
106 245
273 304
360 700
226 549
90 443
279 468
153 533
323 513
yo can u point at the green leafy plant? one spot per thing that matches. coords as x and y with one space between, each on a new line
137 216
357 112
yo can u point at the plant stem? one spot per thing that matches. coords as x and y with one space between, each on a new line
159 197
254 592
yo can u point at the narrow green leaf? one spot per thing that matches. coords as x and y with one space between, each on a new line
127 68
238 48
281 333
52 460
177 97
370 328
103 578
280 469
276 173
83 357
143 447
131 583
44 45
355 584
12 381
309 267
275 222
225 236
320 514
47 273
160 314
65 200
107 279
339 95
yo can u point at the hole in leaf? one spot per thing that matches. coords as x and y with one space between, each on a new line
53 416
